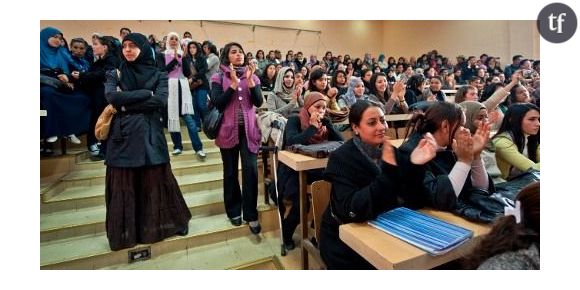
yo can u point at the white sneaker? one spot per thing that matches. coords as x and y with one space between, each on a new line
94 150
201 155
52 139
73 139
176 152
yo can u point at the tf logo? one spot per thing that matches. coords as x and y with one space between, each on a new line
557 22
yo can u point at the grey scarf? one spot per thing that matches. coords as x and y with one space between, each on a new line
373 154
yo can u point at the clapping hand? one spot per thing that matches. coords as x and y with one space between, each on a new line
425 150
251 68
399 91
463 145
480 138
297 93
234 78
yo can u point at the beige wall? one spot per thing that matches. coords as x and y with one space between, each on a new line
354 37
451 38
397 38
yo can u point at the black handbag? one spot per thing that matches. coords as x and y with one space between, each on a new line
320 150
55 83
212 122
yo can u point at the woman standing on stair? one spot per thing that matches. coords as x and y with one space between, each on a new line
143 200
235 91
180 100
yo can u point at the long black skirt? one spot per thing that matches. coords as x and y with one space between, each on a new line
144 205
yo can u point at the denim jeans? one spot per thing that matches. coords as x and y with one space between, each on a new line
199 105
246 199
192 130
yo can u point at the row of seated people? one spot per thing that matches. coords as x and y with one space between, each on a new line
439 165
477 113
82 77
223 91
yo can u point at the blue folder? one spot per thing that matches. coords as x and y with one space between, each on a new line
428 233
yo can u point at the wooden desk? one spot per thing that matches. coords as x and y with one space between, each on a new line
388 252
398 117
301 163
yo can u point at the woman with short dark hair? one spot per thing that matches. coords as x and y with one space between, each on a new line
236 92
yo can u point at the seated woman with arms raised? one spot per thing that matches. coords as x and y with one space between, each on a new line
368 176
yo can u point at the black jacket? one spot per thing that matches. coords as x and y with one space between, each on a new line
360 193
136 138
472 203
94 79
200 67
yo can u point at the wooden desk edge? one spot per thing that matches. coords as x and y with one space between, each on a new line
417 259
305 162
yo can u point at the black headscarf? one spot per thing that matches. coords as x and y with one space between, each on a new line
135 74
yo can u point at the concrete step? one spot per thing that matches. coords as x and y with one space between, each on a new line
92 252
91 221
84 162
179 168
247 252
62 198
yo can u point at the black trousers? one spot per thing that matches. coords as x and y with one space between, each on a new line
288 189
246 199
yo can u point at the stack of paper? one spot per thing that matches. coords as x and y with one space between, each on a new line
428 233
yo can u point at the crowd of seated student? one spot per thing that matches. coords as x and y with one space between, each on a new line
459 134
67 105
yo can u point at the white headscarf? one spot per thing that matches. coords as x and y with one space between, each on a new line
168 49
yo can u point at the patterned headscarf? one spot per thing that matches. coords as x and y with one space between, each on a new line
349 96
322 133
